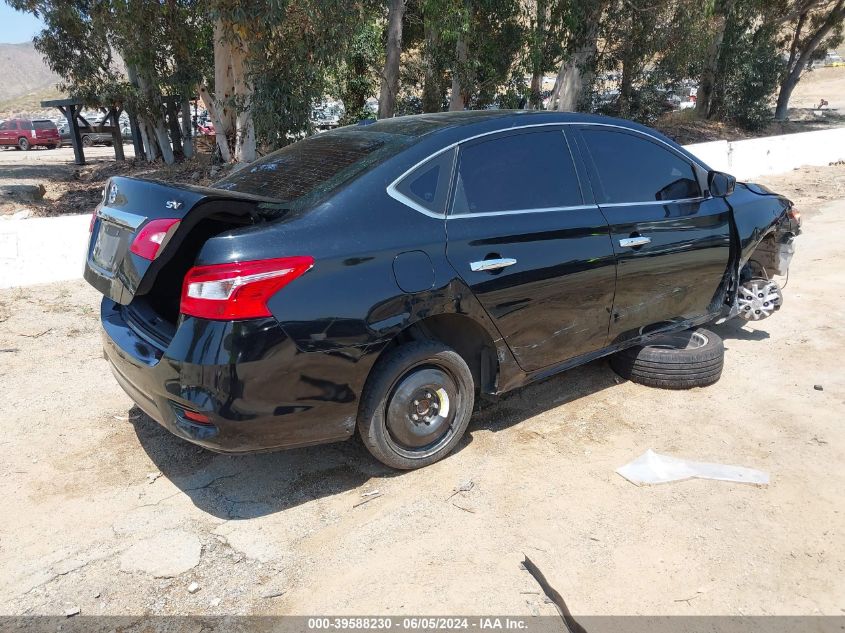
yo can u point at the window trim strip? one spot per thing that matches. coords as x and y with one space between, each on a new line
394 193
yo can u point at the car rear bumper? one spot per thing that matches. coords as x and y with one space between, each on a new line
257 390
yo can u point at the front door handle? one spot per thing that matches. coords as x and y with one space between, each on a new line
634 242
491 264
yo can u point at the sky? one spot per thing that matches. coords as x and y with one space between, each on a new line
16 27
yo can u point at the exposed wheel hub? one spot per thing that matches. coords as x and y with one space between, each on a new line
420 410
758 299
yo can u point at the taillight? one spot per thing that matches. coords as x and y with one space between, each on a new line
240 290
150 238
794 214
93 219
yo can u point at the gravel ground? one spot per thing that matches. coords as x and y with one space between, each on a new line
106 512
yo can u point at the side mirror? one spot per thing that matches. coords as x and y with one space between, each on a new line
720 184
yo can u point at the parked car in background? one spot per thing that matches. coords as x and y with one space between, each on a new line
96 135
833 59
327 114
379 278
24 134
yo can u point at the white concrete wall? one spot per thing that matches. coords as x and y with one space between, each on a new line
42 250
773 154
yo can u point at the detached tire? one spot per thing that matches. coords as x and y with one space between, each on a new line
682 360
416 405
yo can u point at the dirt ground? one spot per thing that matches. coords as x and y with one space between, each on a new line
105 511
71 188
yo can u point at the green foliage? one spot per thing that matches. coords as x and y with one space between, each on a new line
358 77
297 52
750 68
76 45
293 52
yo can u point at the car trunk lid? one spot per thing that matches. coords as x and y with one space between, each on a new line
130 205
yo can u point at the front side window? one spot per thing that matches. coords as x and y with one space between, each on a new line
4 125
524 171
631 168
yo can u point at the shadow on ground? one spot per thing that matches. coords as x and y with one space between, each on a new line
735 329
248 486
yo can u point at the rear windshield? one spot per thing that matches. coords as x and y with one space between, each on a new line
44 125
315 165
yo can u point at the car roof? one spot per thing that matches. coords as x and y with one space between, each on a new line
456 126
423 124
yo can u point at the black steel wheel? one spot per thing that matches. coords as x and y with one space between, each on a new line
680 360
416 405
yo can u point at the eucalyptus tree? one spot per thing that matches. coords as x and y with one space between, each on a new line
390 77
576 74
813 27
133 52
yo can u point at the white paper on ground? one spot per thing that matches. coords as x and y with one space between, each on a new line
653 468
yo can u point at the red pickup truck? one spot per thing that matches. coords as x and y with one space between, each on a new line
25 134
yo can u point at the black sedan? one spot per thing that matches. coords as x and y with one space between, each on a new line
379 278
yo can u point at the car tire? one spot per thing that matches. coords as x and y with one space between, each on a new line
23 144
86 141
51 147
681 360
421 378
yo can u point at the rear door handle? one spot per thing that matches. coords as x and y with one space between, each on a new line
491 264
634 242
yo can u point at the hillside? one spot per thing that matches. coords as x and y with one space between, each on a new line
26 78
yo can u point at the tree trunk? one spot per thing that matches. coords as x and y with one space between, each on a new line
150 146
575 78
707 83
215 112
626 89
434 87
155 118
187 130
793 75
537 59
244 129
163 141
224 89
390 78
174 127
457 99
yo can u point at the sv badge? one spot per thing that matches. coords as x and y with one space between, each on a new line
173 204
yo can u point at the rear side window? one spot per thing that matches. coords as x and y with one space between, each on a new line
25 125
532 170
629 168
314 165
428 185
44 125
